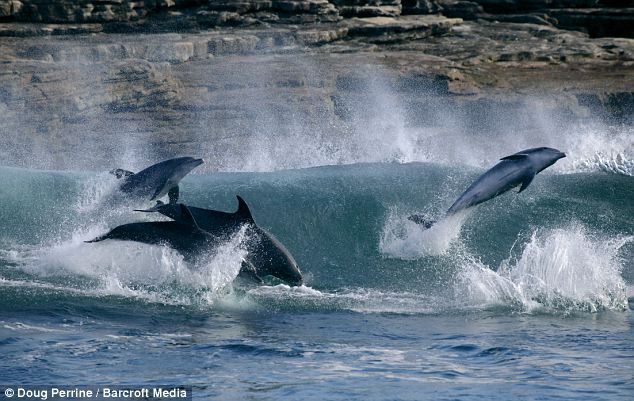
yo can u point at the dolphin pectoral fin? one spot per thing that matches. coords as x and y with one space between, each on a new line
514 157
120 173
527 181
248 272
421 220
173 194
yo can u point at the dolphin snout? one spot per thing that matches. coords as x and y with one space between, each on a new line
562 155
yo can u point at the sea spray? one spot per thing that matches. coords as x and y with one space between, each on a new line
404 239
561 269
94 190
594 147
130 269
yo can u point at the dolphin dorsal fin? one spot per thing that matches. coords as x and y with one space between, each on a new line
243 211
517 156
187 218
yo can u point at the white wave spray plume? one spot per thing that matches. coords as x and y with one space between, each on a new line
153 273
404 239
562 269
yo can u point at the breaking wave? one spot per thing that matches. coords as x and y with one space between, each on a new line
129 269
564 270
347 227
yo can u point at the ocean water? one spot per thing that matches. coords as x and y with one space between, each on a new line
527 296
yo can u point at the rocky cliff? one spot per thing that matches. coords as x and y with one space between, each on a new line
179 75
596 17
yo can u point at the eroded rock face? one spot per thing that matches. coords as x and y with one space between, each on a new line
598 18
210 76
79 11
86 11
597 22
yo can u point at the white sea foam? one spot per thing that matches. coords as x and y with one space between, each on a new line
599 148
131 269
404 239
561 269
360 300
94 190
19 326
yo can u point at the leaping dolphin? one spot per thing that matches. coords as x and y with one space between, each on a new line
158 180
517 169
266 256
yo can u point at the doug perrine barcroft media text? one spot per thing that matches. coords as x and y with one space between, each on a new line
120 393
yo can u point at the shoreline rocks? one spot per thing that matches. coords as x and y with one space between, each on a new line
243 69
595 17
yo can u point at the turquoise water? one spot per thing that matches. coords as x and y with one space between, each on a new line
527 296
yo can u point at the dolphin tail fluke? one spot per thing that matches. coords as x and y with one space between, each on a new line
421 220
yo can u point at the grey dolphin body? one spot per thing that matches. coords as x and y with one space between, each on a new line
185 235
514 170
158 180
266 255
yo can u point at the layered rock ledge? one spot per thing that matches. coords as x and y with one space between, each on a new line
163 72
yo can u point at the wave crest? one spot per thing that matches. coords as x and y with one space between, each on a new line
600 149
153 273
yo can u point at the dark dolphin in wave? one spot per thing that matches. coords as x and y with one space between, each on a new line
266 256
184 235
158 180
514 170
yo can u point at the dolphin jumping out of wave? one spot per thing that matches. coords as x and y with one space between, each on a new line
517 169
158 180
266 256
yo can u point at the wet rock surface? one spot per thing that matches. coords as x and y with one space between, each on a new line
183 77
